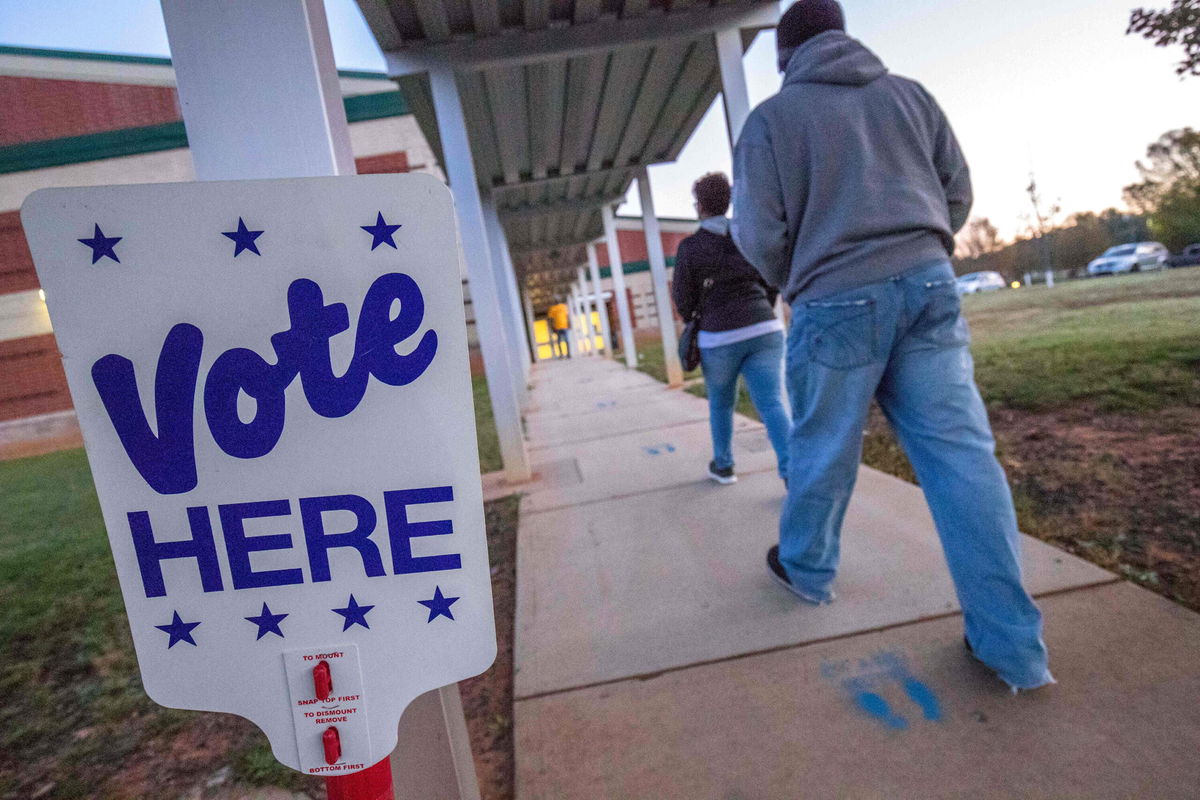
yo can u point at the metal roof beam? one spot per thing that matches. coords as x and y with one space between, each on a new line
559 207
602 36
566 176
573 241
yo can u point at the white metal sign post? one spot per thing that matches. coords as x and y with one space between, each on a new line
273 386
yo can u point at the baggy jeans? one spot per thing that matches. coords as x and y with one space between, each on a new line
904 341
760 362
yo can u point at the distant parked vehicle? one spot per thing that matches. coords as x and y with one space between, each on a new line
980 282
1187 257
1137 257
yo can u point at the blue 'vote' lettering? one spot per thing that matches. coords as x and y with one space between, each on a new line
167 461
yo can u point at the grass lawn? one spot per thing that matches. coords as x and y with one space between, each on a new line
651 362
74 721
1094 393
485 427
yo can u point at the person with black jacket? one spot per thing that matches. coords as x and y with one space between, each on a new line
739 332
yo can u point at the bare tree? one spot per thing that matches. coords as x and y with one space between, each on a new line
1041 222
978 238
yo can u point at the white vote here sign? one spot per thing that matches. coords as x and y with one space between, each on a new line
273 386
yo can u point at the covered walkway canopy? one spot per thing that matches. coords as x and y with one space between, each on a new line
543 112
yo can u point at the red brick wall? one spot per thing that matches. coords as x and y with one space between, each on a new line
384 162
633 246
16 265
34 382
51 109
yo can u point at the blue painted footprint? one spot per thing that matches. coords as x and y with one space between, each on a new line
924 697
877 707
880 670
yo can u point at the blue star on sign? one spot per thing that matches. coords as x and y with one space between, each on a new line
354 614
243 239
381 232
439 606
267 623
102 246
179 631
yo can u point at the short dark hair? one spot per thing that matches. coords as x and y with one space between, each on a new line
712 192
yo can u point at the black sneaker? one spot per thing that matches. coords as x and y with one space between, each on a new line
779 575
723 476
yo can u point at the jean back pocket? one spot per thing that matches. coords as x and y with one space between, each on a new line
939 320
840 334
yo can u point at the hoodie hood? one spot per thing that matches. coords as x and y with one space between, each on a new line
833 57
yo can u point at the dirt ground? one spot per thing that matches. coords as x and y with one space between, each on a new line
1122 491
488 698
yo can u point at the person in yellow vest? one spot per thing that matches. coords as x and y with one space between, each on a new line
560 323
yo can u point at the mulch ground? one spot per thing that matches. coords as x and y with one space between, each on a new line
488 698
1119 490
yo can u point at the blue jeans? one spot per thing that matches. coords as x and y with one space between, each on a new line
905 342
760 362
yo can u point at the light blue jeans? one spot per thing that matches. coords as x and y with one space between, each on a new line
760 362
905 342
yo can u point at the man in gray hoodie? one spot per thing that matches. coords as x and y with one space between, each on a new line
849 188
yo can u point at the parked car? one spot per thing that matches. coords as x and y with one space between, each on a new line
1137 257
1187 257
980 282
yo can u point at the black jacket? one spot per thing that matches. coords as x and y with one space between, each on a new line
738 296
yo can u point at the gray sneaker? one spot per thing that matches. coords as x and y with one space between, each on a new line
779 575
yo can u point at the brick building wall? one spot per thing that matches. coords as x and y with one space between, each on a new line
16 264
34 382
633 245
53 109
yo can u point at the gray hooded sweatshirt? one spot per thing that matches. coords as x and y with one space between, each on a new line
846 177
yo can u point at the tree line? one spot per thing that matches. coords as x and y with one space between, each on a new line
1164 206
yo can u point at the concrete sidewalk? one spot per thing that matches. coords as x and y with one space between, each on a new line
655 659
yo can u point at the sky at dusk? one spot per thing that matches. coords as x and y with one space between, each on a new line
1053 86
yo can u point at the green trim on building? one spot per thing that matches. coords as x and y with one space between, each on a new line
634 266
364 107
91 147
363 75
153 138
157 61
83 55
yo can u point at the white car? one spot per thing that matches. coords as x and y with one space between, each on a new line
1137 257
980 282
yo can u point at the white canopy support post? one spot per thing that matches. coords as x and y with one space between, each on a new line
258 89
735 95
514 292
510 305
594 269
618 281
573 324
589 308
531 321
579 327
658 275
588 329
260 98
510 275
485 297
